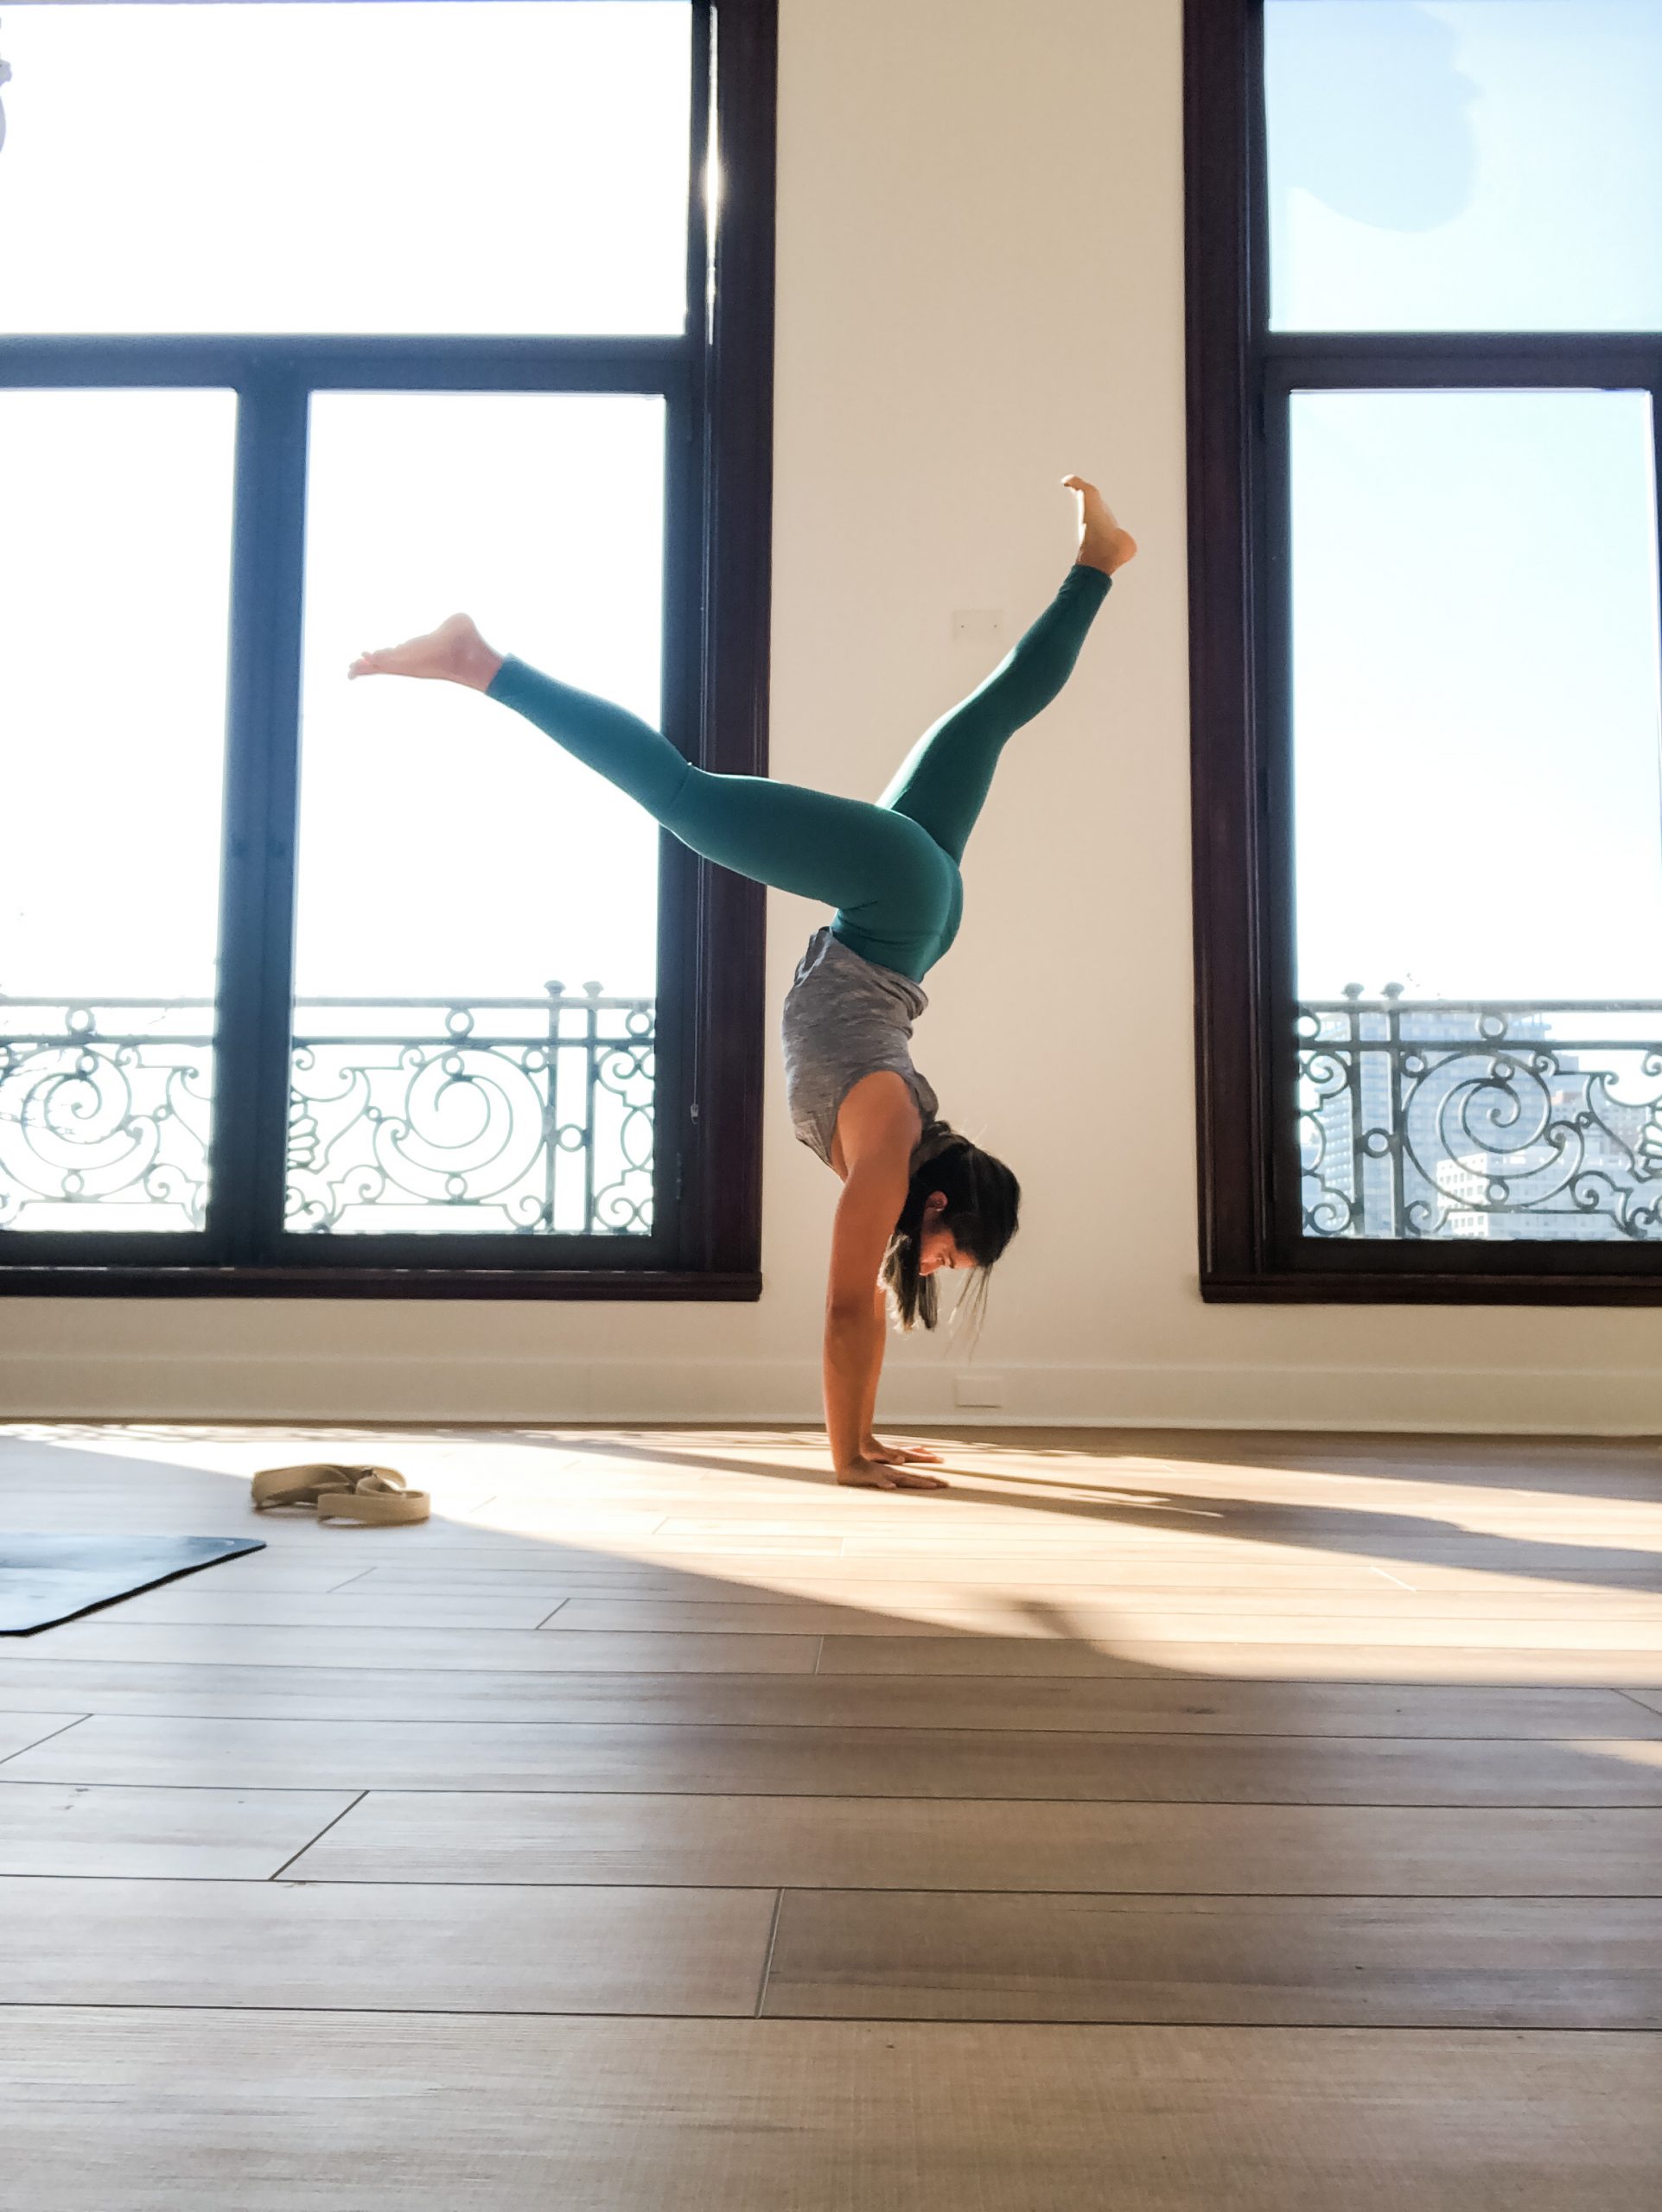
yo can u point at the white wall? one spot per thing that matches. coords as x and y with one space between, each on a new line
980 289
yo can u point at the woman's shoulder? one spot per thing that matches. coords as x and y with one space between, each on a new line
881 1096
879 1116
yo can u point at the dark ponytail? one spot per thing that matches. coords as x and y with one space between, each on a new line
982 1200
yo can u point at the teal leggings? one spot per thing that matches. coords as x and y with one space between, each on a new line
890 870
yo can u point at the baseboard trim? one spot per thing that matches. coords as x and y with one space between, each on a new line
290 1387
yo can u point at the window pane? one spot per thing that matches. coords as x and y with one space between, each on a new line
1478 818
115 535
499 166
468 891
1465 164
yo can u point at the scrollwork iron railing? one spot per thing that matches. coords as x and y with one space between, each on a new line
532 1117
1418 1118
529 1116
1537 1119
105 1105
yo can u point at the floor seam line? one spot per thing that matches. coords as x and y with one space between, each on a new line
74 1721
767 1954
318 1838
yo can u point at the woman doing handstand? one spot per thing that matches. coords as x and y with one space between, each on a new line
917 1197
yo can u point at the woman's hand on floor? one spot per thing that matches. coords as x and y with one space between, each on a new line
886 1476
900 1455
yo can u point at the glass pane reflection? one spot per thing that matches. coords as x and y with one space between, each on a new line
1465 164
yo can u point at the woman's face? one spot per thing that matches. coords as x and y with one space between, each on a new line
938 1247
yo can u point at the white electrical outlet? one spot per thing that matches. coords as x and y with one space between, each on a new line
978 622
978 1390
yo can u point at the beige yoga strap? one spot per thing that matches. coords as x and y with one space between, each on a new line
374 1496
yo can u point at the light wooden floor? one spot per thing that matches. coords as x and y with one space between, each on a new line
1172 1823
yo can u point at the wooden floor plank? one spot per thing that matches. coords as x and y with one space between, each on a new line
1271 1962
550 1650
1132 1622
1193 1562
553 1609
345 2113
508 1650
913 1843
553 1548
353 1607
873 1762
1530 1617
561 1521
1195 1558
1578 1660
419 1948
1072 1635
158 1833
19 1730
1107 1704
1570 1529
259 1574
988 1586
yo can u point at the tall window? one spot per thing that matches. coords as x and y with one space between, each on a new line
1426 321
320 319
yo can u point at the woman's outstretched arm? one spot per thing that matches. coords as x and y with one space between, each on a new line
885 1455
872 1198
876 1131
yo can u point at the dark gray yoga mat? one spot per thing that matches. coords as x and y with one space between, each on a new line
45 1580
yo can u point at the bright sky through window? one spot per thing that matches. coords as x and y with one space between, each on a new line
1465 164
458 166
375 166
1474 592
1475 694
446 845
115 558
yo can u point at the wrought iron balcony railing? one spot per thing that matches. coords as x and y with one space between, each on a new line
1433 1118
532 1117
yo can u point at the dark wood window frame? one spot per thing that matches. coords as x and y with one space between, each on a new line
716 381
1240 377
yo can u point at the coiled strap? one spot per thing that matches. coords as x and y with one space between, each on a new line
376 1496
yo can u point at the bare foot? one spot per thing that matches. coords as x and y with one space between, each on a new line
1102 544
454 652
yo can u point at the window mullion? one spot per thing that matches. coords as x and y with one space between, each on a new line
1653 382
257 914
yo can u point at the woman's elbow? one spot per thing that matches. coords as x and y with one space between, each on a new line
848 1317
